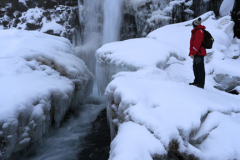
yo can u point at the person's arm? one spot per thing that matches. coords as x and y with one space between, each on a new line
199 37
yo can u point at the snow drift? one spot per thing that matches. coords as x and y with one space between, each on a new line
153 112
40 79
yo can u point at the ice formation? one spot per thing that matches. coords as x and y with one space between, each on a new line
112 20
149 99
226 7
41 79
90 14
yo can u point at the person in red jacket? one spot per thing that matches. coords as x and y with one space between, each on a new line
197 53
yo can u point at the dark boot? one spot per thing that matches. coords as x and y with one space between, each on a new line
192 84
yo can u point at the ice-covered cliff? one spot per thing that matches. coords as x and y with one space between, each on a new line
41 79
143 16
70 18
153 112
49 16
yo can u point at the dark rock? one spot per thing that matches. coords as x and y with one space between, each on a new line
5 24
174 154
22 7
50 4
234 91
15 22
47 14
226 83
17 14
97 144
72 19
4 2
236 18
33 26
51 32
129 27
15 4
200 7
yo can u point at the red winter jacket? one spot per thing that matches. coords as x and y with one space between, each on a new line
196 42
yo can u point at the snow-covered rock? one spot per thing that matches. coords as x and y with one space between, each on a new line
152 97
41 79
143 16
60 20
226 7
140 17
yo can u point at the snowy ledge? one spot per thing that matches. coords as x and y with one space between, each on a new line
152 111
40 79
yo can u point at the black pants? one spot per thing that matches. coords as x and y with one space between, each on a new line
199 70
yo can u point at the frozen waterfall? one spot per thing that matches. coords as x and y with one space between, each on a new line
91 16
102 24
112 20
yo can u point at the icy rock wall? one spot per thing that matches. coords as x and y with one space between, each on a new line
108 70
52 17
236 18
202 6
142 17
46 81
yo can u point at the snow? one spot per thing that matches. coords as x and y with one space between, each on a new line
35 16
57 28
23 1
226 7
134 133
40 79
145 81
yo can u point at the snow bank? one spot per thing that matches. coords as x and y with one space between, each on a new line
226 7
40 79
120 57
173 112
153 98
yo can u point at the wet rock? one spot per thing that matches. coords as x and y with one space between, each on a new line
51 32
129 27
236 18
97 143
5 24
226 83
33 26
22 7
15 22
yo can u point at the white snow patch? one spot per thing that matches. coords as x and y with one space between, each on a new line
39 76
226 7
153 93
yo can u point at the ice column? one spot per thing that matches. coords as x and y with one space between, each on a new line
112 20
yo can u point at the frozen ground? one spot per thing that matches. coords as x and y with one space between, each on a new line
40 79
151 108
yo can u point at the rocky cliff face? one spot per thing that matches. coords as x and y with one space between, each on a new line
142 17
236 18
56 17
139 17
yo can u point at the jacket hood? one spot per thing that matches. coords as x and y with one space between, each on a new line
199 27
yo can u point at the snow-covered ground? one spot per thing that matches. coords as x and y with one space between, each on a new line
40 79
151 108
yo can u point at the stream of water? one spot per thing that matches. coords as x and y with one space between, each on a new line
67 141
